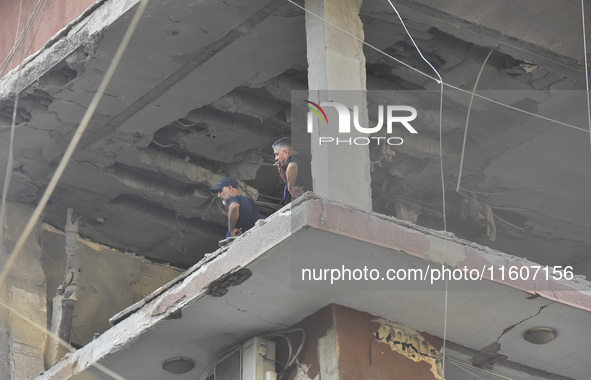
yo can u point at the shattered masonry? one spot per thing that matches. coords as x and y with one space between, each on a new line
410 343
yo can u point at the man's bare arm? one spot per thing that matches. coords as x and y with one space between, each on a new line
233 213
291 175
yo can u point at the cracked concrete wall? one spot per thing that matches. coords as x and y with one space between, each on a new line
24 290
110 280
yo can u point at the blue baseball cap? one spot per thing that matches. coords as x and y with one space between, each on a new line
226 181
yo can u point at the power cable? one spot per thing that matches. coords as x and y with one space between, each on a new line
468 119
40 17
440 82
466 368
18 26
469 372
20 40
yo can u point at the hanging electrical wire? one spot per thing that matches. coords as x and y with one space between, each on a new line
292 357
440 82
18 28
34 19
40 17
474 370
586 67
468 120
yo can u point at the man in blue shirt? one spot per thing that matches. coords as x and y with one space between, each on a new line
242 212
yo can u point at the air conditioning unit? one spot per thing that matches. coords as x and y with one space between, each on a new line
254 360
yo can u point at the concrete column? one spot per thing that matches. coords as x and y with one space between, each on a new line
336 72
328 356
21 343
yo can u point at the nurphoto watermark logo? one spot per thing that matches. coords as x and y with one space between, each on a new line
388 115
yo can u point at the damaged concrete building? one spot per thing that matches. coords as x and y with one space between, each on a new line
452 243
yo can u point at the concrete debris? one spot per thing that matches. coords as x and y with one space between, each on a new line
479 213
164 305
220 287
407 212
227 241
410 343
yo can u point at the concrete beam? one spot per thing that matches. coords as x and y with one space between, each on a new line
188 170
